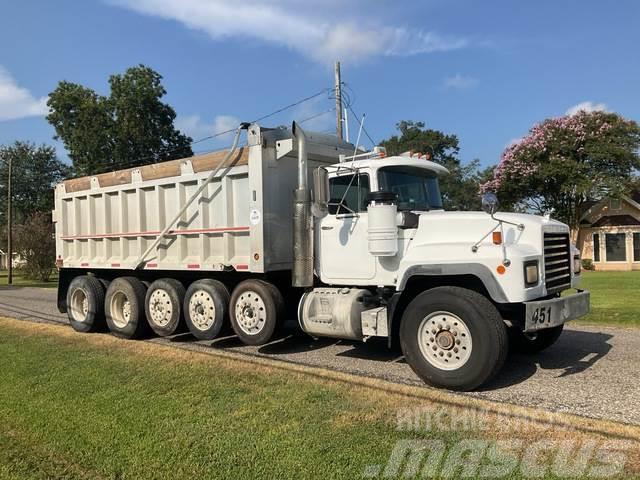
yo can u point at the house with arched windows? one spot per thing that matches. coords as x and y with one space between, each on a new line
610 233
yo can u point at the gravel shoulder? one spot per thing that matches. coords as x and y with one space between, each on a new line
591 371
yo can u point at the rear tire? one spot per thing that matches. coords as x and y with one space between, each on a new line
536 342
205 308
453 338
163 306
85 304
256 311
124 307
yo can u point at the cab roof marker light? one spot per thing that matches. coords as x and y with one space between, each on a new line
364 156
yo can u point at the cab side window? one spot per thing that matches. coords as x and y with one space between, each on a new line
348 194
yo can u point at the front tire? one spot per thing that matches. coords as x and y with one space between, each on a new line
453 338
536 342
124 307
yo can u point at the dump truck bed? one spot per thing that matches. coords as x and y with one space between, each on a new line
242 220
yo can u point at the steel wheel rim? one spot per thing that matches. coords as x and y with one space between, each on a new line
445 340
79 305
120 308
202 310
250 312
160 307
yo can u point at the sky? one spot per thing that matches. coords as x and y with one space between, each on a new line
485 71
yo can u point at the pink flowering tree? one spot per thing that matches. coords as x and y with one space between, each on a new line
564 163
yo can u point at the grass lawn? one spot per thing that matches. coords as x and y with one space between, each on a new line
20 281
91 406
615 297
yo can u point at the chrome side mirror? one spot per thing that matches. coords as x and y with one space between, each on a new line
490 203
320 206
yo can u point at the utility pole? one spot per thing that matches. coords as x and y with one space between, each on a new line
9 229
338 102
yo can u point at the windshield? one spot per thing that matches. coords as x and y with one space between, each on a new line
417 188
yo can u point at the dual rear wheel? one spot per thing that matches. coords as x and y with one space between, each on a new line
130 308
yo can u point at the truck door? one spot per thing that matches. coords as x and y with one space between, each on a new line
343 252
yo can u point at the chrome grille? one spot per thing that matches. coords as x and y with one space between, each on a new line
557 261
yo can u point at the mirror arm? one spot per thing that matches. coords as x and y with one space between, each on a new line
505 260
519 226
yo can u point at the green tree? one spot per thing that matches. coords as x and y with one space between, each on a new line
460 188
565 163
35 170
128 128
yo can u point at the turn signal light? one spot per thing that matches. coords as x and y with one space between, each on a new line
497 238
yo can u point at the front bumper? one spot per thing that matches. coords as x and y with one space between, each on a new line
551 313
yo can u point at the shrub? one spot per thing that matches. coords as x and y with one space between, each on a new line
587 264
34 241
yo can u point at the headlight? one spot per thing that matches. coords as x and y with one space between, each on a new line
577 265
531 273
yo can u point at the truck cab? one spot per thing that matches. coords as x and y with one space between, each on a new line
343 232
504 271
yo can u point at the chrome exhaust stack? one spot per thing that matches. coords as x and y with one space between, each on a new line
302 275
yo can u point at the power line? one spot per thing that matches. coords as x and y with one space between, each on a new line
154 158
363 129
349 106
264 117
317 115
325 90
348 100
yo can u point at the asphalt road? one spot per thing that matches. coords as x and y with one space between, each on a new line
590 371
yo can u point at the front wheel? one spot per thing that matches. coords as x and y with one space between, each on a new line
453 338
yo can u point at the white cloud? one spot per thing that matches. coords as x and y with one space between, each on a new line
196 128
587 107
17 102
460 82
305 27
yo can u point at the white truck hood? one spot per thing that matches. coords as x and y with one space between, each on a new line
447 238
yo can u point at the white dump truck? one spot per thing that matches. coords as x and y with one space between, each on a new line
294 225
